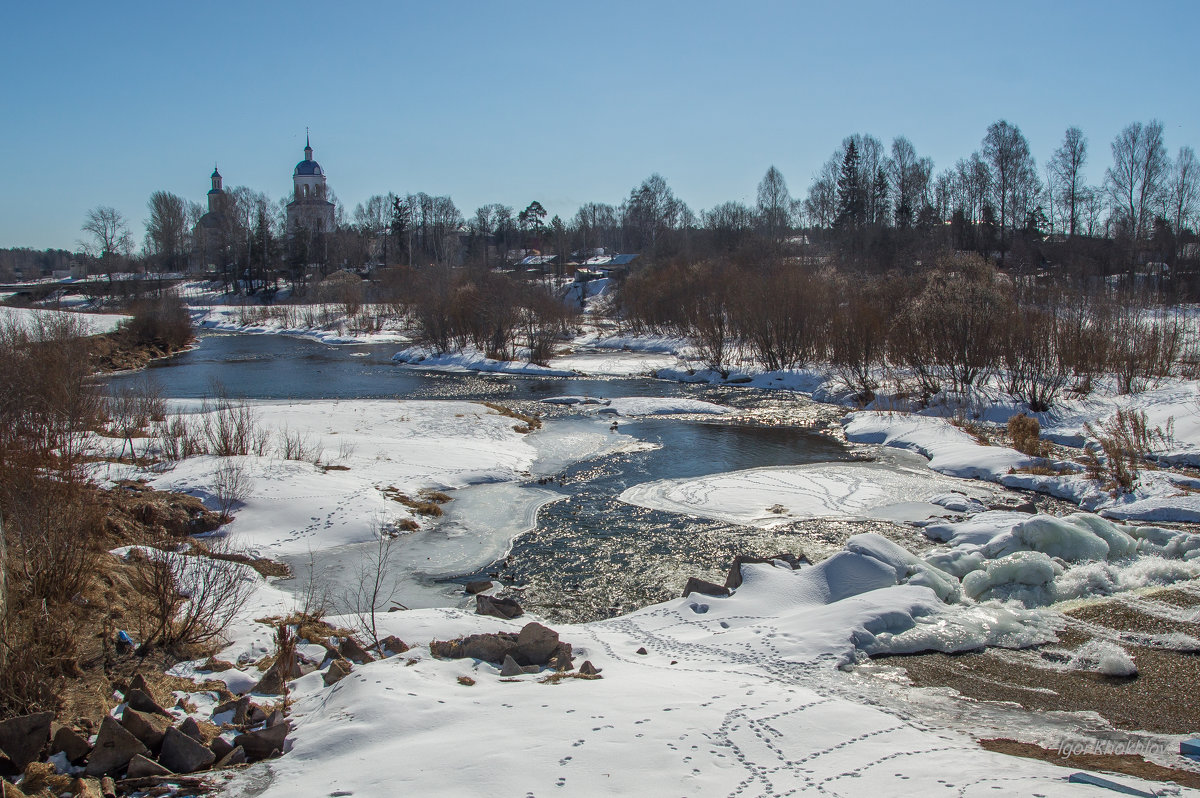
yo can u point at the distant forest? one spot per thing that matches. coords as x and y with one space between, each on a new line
871 207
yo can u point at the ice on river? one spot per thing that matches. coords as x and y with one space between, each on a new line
769 497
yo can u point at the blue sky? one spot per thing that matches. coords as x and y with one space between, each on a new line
563 102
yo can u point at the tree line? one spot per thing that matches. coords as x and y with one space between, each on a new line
875 206
959 324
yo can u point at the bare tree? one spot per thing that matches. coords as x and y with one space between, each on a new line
1066 170
1184 192
821 205
774 205
373 587
1136 180
167 229
910 177
108 234
1014 180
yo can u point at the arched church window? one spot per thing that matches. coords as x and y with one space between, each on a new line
306 192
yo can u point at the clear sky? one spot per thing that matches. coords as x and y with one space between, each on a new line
563 102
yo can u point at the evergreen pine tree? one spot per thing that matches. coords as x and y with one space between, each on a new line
849 191
880 200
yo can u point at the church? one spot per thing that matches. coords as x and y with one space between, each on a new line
210 250
310 217
309 211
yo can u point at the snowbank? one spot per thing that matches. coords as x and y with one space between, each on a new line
370 451
472 360
88 323
295 320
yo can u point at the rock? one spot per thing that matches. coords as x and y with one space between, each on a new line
490 648
108 787
115 746
22 738
510 667
274 681
138 682
352 650
240 708
642 651
536 644
697 585
142 702
182 754
497 607
235 757
275 718
141 766
255 715
338 669
393 645
220 747
478 586
149 729
263 743
588 669
71 743
192 729
562 659
734 578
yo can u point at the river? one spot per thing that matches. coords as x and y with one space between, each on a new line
562 541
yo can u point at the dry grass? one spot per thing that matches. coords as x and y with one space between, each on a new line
559 676
466 681
423 506
1128 764
528 423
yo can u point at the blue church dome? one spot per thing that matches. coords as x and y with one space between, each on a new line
308 168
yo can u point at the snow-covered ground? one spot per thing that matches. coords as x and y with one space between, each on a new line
87 323
736 695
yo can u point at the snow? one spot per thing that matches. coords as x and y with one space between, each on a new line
88 323
370 450
774 496
325 323
614 364
737 694
660 406
469 359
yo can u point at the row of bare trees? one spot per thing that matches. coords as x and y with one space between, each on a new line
957 325
504 317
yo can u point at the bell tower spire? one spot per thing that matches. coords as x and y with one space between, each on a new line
307 146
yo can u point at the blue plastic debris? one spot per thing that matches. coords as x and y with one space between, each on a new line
1190 748
124 637
1108 784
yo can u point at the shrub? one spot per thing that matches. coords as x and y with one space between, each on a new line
193 597
231 486
1126 442
1025 433
162 322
